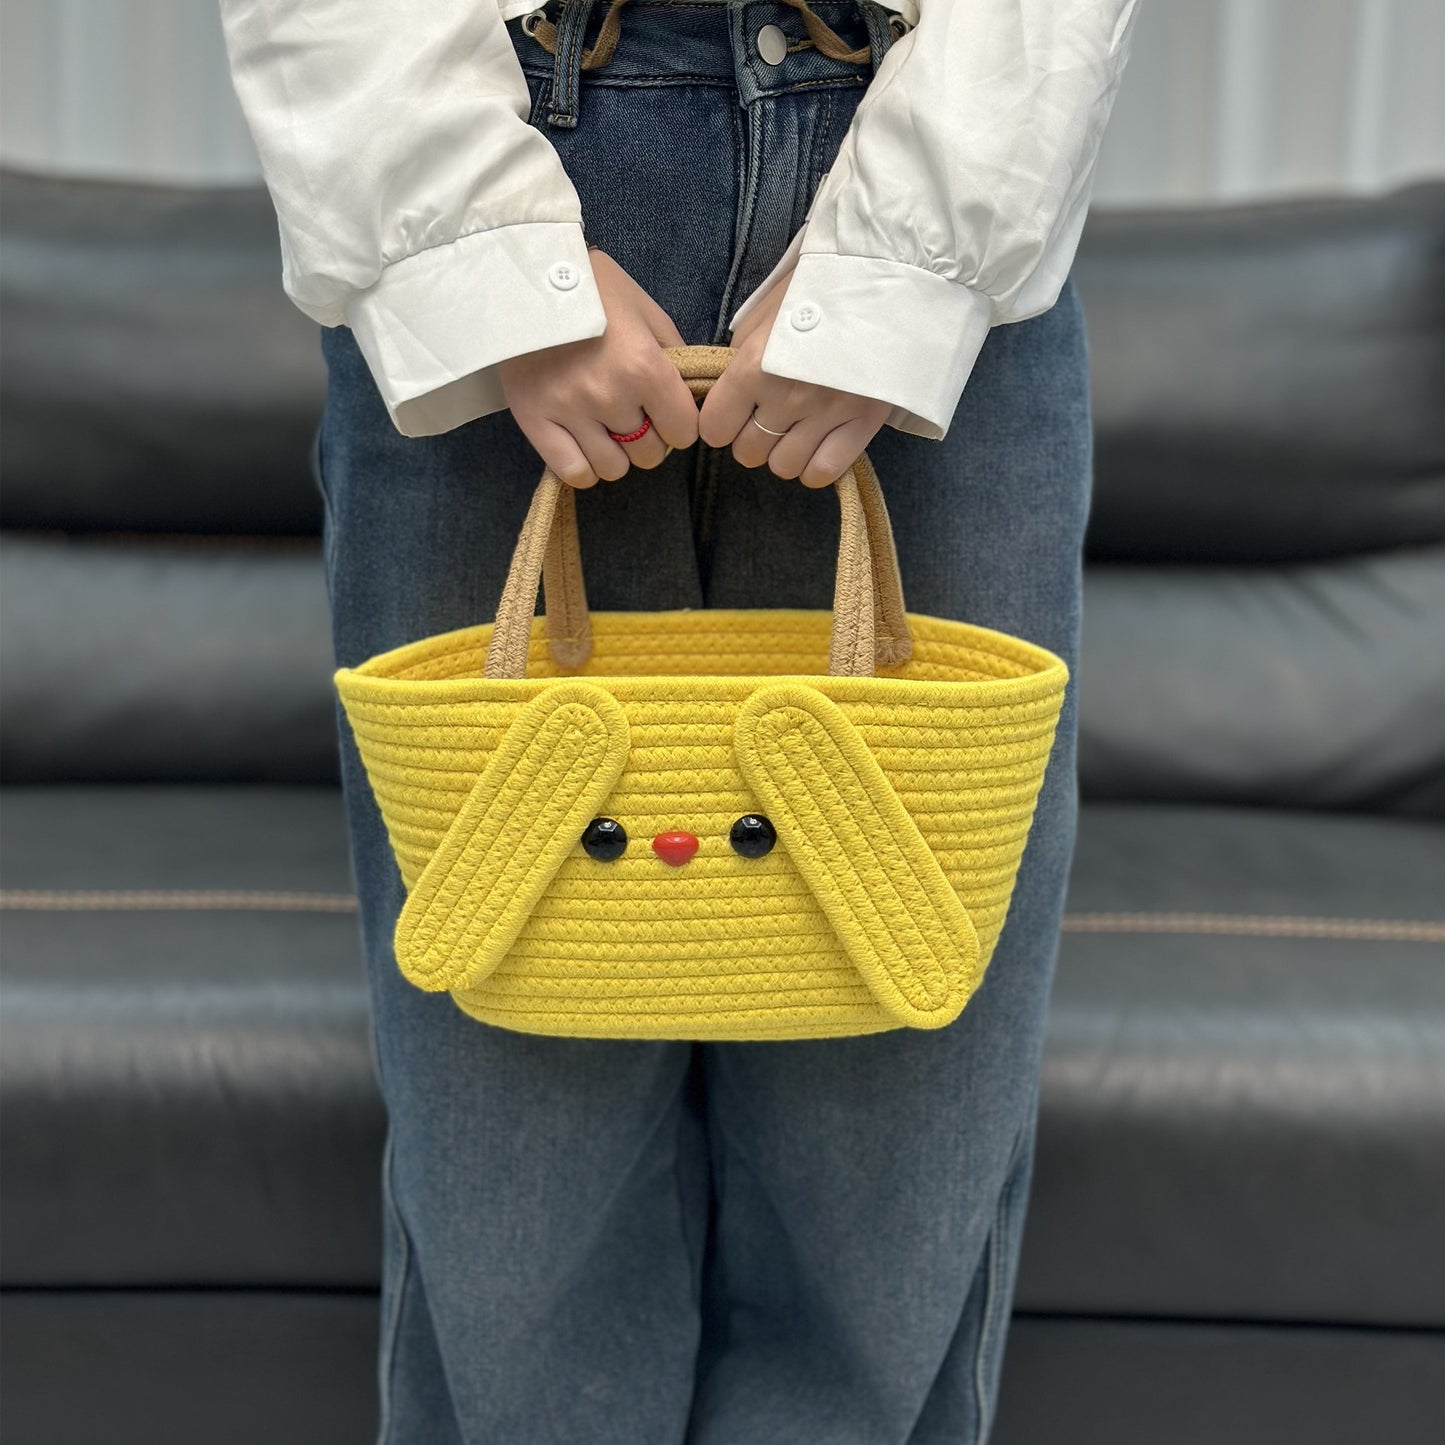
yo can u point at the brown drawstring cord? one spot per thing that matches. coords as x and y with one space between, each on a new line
820 34
828 41
544 32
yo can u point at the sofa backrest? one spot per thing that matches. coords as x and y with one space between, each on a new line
162 608
154 377
1265 598
1265 611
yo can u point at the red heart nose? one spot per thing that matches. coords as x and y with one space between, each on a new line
674 848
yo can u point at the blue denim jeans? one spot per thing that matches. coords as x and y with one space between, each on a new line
601 1242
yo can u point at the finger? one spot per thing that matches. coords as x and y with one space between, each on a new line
606 457
559 450
792 453
754 446
648 450
728 405
838 451
671 405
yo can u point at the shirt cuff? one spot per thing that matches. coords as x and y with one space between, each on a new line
435 325
883 329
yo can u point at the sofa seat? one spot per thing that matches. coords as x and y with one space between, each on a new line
1243 1109
1243 1106
187 1080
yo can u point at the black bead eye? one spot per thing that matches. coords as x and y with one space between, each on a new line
752 835
605 839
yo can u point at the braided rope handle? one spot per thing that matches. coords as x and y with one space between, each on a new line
870 627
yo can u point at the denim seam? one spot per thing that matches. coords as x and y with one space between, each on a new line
750 158
717 1157
705 521
820 141
990 1325
571 40
392 1332
669 77
684 1228
833 82
719 82
317 463
541 100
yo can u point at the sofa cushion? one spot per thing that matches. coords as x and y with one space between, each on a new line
155 376
186 1073
168 659
1319 684
1267 377
178 1367
1243 1106
1154 1382
1243 1117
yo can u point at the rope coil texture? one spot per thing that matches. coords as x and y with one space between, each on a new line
899 757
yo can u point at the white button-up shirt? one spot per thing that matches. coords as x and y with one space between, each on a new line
417 205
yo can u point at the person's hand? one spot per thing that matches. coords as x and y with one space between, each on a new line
824 429
566 398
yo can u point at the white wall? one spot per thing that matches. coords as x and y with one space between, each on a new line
1234 99
123 88
1224 99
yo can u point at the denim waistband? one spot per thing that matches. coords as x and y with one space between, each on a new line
664 42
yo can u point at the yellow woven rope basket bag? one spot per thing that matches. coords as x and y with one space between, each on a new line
706 824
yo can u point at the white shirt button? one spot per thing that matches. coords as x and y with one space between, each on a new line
772 44
563 275
806 315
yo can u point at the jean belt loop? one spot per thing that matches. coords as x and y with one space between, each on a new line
880 30
567 69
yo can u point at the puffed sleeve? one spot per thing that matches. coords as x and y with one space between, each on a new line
955 202
415 203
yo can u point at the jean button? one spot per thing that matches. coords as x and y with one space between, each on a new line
772 44
806 315
563 275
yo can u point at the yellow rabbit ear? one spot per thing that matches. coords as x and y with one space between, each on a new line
555 766
860 852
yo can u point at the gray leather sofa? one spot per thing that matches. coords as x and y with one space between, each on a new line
1238 1220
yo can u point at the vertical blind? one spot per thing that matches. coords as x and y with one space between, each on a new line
1223 99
